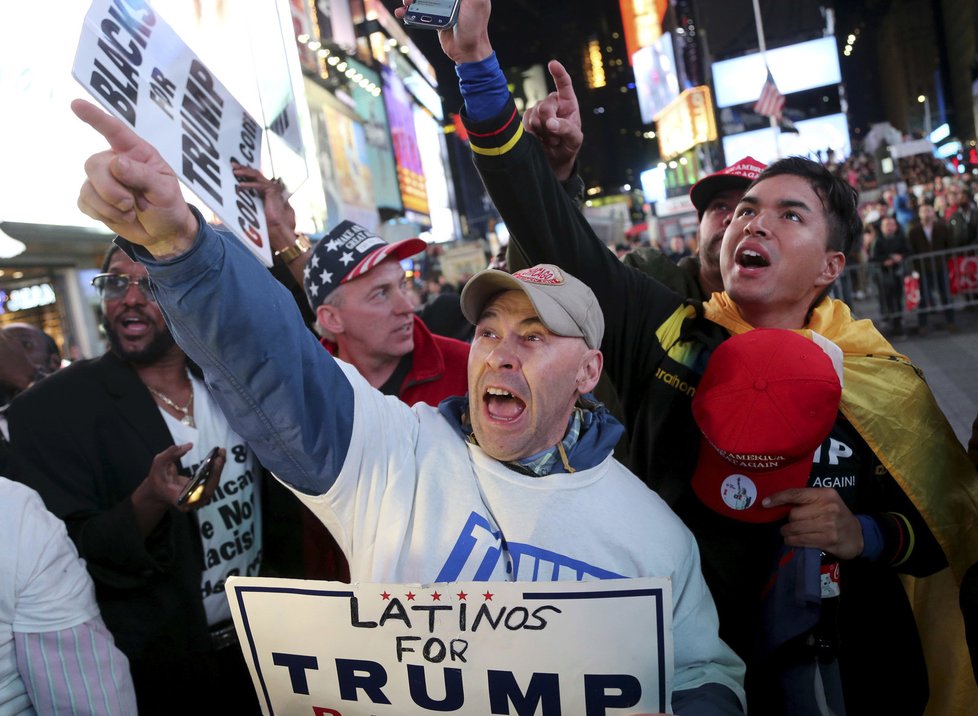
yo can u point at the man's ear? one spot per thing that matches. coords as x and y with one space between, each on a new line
329 318
587 375
835 262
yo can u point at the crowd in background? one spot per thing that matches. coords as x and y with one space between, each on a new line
858 169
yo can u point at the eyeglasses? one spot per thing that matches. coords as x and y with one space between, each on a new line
113 286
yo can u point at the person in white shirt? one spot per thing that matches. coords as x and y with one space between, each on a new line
48 616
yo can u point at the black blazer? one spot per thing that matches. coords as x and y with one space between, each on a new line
940 238
85 438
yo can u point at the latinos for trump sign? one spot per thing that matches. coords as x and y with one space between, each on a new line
137 67
333 649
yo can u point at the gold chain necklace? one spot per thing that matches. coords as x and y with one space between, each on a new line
187 418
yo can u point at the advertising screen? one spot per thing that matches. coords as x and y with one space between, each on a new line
654 184
304 28
380 152
336 23
431 146
642 21
814 136
400 116
656 80
342 156
394 30
686 122
796 67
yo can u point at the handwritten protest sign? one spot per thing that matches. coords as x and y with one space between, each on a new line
137 67
333 649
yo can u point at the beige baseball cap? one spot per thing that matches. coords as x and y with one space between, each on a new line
565 305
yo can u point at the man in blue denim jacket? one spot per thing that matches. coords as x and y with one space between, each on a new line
516 481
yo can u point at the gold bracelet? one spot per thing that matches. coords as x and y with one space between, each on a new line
291 253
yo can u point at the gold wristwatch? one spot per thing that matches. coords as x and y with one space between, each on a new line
291 253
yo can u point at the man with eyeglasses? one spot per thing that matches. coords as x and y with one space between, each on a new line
103 441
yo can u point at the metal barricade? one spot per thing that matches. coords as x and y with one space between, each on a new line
923 290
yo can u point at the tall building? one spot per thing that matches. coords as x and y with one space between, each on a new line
912 64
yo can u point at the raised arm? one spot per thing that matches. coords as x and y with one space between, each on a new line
556 122
288 246
274 383
543 221
130 189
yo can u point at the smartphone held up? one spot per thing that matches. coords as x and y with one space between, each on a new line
433 14
194 489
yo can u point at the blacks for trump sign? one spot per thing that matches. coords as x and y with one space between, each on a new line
333 649
137 67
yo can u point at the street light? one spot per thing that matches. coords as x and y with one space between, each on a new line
924 100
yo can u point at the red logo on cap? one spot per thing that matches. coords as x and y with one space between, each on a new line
748 168
547 275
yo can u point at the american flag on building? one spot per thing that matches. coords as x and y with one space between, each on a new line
771 102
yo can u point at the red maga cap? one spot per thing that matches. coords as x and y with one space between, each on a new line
766 402
737 176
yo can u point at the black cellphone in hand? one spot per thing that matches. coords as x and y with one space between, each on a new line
194 489
432 14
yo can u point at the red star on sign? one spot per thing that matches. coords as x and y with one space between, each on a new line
410 596
385 595
461 595
436 597
488 596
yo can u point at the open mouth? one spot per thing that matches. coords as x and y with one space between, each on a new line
503 405
749 258
133 325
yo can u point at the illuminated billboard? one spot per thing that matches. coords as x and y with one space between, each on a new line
431 140
795 68
814 136
400 117
336 23
686 122
380 152
305 29
654 184
343 157
396 40
656 79
642 21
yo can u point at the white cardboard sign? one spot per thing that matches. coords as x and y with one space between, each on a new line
140 70
334 649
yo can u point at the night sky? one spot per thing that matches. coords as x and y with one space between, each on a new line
519 29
